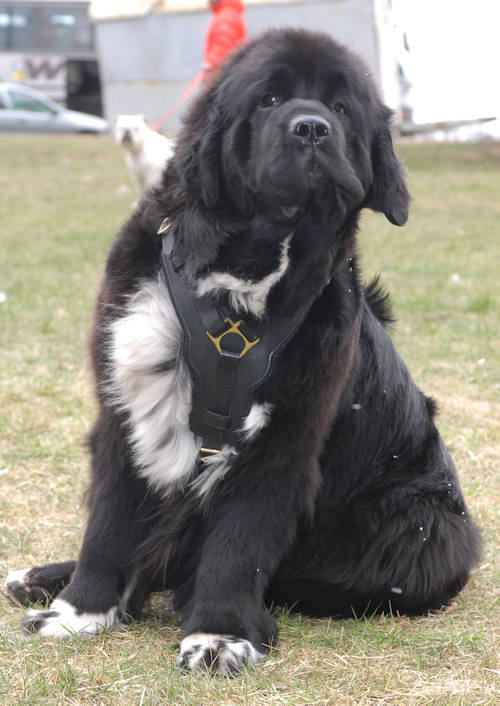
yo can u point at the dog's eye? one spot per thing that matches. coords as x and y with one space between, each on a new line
269 101
339 108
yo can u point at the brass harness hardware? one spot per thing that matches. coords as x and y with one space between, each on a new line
165 225
234 328
209 452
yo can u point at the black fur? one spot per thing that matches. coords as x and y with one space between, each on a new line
347 500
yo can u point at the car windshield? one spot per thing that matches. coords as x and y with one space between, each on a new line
23 101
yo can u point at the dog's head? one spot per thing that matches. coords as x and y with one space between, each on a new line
130 131
283 149
292 119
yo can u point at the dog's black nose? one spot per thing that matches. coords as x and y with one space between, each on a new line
311 129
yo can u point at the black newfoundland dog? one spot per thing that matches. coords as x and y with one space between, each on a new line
259 441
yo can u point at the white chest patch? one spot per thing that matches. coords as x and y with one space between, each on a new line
257 419
247 295
214 468
149 380
217 466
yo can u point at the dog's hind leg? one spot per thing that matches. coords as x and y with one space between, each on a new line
39 583
408 551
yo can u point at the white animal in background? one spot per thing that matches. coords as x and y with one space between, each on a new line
146 151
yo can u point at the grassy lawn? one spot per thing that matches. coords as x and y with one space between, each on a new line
61 201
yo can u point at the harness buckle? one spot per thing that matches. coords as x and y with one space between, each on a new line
206 453
164 226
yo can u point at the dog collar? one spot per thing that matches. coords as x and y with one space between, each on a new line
229 357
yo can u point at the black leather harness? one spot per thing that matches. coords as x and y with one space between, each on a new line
228 358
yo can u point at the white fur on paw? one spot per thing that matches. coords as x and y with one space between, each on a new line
220 654
61 621
15 585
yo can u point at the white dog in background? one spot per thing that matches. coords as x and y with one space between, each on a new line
146 151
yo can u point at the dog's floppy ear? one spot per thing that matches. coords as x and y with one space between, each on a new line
388 193
198 150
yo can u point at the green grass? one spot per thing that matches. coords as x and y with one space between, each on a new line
61 201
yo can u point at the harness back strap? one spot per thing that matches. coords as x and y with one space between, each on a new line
228 357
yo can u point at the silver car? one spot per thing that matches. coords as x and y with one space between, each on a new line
22 109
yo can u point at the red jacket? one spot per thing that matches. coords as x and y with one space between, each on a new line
226 30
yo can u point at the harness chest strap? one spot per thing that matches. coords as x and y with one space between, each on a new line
228 358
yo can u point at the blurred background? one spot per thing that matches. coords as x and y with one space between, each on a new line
435 61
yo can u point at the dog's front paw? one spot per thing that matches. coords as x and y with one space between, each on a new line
218 654
62 621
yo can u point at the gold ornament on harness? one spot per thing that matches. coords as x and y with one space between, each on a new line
234 328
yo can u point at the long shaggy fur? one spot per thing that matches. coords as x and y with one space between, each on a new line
340 496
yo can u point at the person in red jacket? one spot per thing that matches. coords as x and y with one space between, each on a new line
226 30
